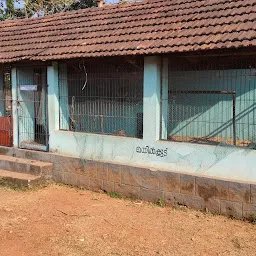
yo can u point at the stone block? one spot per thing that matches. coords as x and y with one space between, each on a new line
91 169
33 169
192 201
253 194
6 151
212 205
46 171
4 165
187 184
68 164
102 171
20 153
169 181
221 189
22 167
127 191
35 155
239 192
58 176
205 187
249 210
231 209
84 181
96 185
151 195
114 173
108 186
140 177
70 179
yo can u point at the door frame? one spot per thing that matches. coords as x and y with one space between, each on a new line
6 120
27 99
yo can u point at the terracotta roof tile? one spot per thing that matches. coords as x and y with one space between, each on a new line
148 27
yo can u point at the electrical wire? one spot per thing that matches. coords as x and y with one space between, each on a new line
86 75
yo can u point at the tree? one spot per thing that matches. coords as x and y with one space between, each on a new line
46 7
38 8
7 11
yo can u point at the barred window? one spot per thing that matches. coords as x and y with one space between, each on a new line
103 96
210 100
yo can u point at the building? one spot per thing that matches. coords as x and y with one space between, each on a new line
151 100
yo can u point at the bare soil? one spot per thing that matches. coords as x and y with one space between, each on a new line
59 220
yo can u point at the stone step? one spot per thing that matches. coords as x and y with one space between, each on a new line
19 179
26 166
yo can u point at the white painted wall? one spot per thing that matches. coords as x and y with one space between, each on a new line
53 102
14 107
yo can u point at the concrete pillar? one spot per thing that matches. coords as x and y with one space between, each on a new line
164 98
2 105
151 100
14 107
53 100
63 91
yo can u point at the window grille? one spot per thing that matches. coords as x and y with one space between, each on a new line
210 100
103 96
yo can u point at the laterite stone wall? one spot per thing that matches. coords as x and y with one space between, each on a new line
230 198
227 197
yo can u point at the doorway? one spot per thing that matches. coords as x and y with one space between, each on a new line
6 128
32 108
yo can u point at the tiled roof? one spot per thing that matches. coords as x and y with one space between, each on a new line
148 27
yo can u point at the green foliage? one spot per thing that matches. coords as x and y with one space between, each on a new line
38 8
7 11
82 4
46 7
252 219
114 195
10 7
161 202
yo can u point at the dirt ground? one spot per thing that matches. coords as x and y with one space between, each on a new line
59 220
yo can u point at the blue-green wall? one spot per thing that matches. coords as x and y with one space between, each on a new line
108 117
211 115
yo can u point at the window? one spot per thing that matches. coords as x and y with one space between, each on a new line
210 100
103 96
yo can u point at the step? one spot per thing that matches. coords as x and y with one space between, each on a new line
26 166
19 179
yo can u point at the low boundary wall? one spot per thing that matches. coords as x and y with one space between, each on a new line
227 197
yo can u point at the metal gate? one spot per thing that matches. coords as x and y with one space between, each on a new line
6 128
32 108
